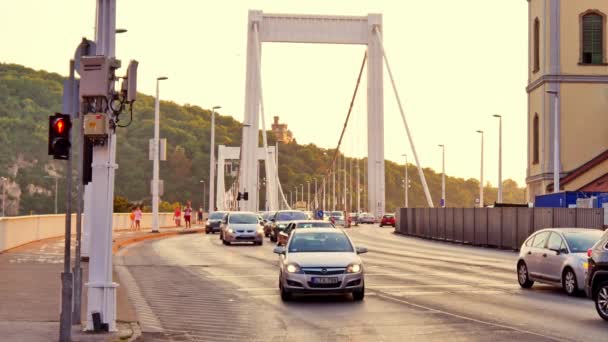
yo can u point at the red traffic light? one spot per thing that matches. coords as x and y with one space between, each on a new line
59 126
59 136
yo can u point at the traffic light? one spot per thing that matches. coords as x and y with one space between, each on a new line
60 126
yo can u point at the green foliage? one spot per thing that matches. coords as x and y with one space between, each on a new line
28 97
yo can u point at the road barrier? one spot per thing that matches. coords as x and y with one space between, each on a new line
20 230
493 227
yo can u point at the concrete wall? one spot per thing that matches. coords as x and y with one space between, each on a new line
19 230
496 227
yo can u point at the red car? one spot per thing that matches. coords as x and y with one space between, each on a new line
388 220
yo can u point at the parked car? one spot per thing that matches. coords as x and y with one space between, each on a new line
320 261
556 256
387 220
214 221
337 218
367 218
285 234
282 218
596 284
354 218
241 227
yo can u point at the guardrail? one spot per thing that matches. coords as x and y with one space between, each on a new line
20 230
494 227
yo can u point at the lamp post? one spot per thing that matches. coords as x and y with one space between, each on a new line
4 179
442 204
212 162
308 196
56 180
302 185
156 150
556 147
203 182
481 173
407 181
499 157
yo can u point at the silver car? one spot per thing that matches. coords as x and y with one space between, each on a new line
337 218
320 261
241 227
556 256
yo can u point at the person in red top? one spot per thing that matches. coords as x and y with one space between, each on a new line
188 215
177 215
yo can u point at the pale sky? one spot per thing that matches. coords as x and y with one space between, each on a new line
455 62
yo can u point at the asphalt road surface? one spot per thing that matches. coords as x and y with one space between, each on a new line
192 288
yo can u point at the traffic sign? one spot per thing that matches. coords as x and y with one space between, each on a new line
319 214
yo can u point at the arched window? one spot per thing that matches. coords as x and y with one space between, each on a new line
535 136
536 47
593 38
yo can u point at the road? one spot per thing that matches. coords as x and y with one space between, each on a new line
192 288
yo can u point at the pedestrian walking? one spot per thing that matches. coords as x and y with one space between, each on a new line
199 216
132 218
188 215
137 217
177 216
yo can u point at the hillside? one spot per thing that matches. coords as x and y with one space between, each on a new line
27 97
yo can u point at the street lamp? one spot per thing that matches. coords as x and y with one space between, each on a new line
4 180
56 180
499 157
308 196
406 182
156 151
556 147
212 162
481 173
442 204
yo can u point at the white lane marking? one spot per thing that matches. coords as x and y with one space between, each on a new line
498 325
149 321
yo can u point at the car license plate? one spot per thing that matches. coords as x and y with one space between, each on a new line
328 280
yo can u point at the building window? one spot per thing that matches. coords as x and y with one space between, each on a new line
536 66
535 135
593 38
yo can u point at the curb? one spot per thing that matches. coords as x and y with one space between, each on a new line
119 244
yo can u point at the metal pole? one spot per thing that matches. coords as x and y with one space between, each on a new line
323 203
344 207
556 147
405 183
4 179
156 152
358 188
77 307
499 157
350 185
333 200
308 196
212 163
56 180
481 174
442 176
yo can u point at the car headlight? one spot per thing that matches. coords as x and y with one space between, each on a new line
260 231
353 268
230 231
293 268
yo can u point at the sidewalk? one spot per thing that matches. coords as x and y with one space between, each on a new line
30 290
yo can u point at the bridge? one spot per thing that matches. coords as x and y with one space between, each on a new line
436 272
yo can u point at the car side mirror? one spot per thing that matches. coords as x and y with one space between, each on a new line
361 250
279 250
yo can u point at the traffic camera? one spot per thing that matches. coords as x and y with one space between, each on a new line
60 126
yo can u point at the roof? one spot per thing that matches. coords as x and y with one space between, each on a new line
579 171
317 230
571 230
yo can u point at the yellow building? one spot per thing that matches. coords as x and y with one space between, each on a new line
568 70
281 133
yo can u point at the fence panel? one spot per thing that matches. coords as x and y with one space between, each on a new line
448 224
418 214
433 212
469 225
441 223
564 217
525 225
411 220
495 227
459 224
426 222
543 218
481 227
590 218
509 228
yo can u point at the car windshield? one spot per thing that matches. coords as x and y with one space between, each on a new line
320 242
315 225
243 219
267 216
292 216
581 242
337 214
389 216
216 216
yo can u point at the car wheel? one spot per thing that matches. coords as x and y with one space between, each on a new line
259 243
358 295
601 300
272 238
207 232
569 282
380 225
522 276
285 295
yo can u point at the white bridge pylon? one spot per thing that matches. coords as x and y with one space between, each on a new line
234 153
323 29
